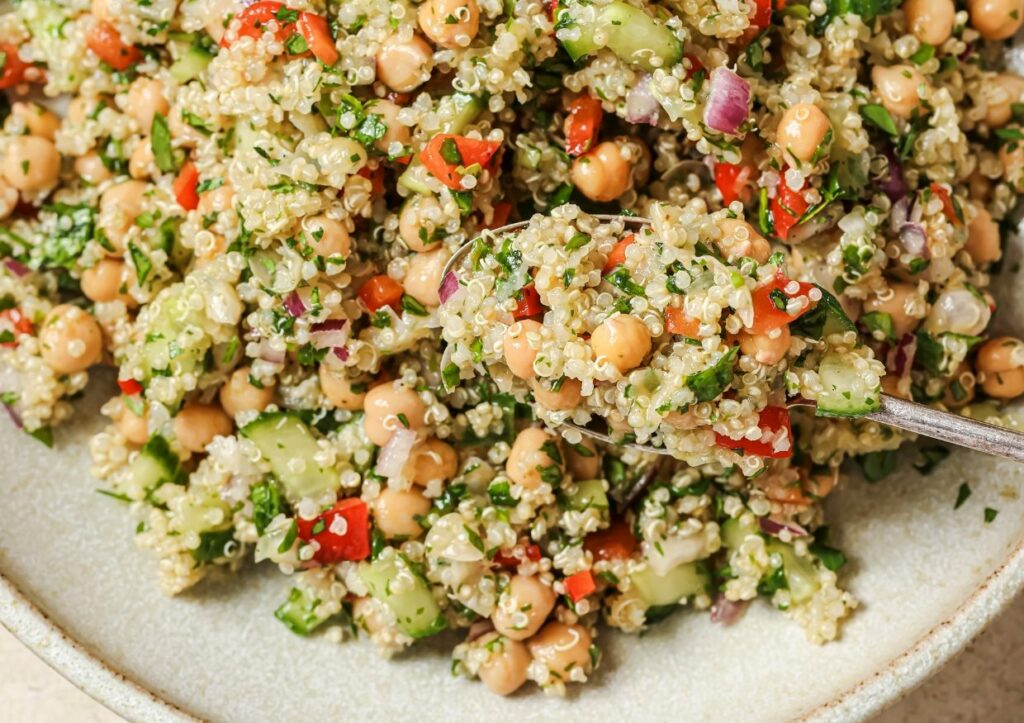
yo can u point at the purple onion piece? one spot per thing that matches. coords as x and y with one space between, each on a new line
449 285
479 629
341 352
727 612
903 357
329 325
293 304
895 186
914 239
641 106
16 267
15 417
728 101
773 527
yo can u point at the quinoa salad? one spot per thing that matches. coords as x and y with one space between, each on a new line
248 214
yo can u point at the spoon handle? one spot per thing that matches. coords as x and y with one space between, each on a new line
948 427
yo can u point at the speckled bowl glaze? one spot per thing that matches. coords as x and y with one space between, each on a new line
76 590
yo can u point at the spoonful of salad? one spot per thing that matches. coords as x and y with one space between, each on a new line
682 334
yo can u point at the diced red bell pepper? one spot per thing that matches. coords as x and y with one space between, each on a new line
376 176
763 13
614 543
732 180
17 323
186 187
948 209
352 542
579 585
510 559
106 43
695 65
14 67
553 10
787 208
501 211
528 304
251 22
771 419
381 291
617 255
582 125
770 301
317 34
677 322
131 387
471 151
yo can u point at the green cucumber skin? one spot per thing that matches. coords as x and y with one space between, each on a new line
417 612
281 437
837 399
632 33
680 582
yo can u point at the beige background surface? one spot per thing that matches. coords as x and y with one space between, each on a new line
985 683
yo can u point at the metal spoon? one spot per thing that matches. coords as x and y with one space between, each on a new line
893 411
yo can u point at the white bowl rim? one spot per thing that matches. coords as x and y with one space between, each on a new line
120 693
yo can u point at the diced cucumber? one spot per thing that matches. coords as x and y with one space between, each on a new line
842 395
290 447
681 581
191 64
416 610
801 575
298 612
633 35
155 465
589 494
734 532
192 514
466 110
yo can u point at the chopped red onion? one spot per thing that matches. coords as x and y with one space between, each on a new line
894 186
449 285
726 611
393 455
15 417
293 304
903 355
341 352
773 527
914 239
641 106
479 629
16 267
728 101
330 334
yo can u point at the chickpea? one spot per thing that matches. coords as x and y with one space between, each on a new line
404 65
959 310
905 307
1000 366
9 198
899 87
396 131
384 404
930 21
79 109
107 280
328 238
217 201
582 460
436 16
602 173
740 239
145 100
567 396
562 648
134 427
70 340
91 169
623 340
768 348
239 394
504 671
527 457
120 205
141 163
523 607
36 119
802 130
983 243
519 352
960 389
341 391
1001 93
431 460
896 386
31 164
996 19
416 225
197 424
423 279
980 187
1011 155
395 512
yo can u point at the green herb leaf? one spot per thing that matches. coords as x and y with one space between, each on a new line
160 142
877 465
710 383
961 495
266 504
879 117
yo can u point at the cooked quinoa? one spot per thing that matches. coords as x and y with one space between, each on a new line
722 206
